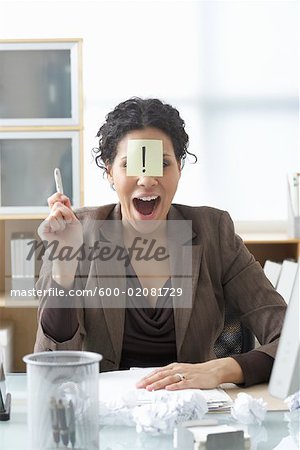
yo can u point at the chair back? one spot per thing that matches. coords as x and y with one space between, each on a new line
235 337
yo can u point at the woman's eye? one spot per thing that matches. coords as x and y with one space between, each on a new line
165 163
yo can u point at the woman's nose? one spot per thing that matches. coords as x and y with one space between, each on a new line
147 181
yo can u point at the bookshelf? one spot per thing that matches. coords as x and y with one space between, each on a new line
41 114
273 246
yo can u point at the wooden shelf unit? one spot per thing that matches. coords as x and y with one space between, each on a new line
23 311
273 246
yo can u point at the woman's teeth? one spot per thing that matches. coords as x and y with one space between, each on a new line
147 199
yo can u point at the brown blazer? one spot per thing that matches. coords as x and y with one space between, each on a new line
223 271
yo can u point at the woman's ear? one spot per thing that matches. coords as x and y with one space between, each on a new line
179 167
109 172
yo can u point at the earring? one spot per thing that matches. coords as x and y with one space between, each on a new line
112 186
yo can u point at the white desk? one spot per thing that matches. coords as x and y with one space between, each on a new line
13 434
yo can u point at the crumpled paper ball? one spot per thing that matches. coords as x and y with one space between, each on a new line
167 410
248 410
118 410
293 417
155 412
293 402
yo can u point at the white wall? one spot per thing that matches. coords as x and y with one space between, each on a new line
231 68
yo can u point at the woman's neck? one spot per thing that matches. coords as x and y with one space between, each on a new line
148 230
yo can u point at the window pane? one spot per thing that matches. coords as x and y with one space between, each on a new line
35 84
27 167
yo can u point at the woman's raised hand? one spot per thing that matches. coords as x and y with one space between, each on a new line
62 230
61 225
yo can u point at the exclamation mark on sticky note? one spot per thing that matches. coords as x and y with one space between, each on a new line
144 158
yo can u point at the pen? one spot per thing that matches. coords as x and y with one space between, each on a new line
2 376
64 432
54 420
2 381
2 407
58 181
71 423
5 407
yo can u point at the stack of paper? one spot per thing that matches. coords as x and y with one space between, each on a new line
217 400
118 396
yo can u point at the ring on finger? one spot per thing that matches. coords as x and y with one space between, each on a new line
181 377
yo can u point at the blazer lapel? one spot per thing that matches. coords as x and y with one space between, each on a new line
111 275
185 257
183 310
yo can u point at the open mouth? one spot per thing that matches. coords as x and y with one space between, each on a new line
146 205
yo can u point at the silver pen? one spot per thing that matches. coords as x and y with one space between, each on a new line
54 421
71 423
58 181
2 376
5 398
63 428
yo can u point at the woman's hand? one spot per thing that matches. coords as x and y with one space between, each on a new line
63 230
206 375
61 224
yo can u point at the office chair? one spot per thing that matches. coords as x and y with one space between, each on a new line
235 337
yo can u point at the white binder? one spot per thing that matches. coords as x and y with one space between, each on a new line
272 271
287 279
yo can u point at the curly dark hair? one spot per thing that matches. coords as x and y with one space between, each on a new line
136 114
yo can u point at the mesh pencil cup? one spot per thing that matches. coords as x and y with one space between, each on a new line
63 406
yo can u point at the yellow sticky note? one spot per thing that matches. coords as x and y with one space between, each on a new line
145 157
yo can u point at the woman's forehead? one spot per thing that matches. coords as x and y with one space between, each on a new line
146 133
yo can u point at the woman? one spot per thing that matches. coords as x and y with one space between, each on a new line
151 331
